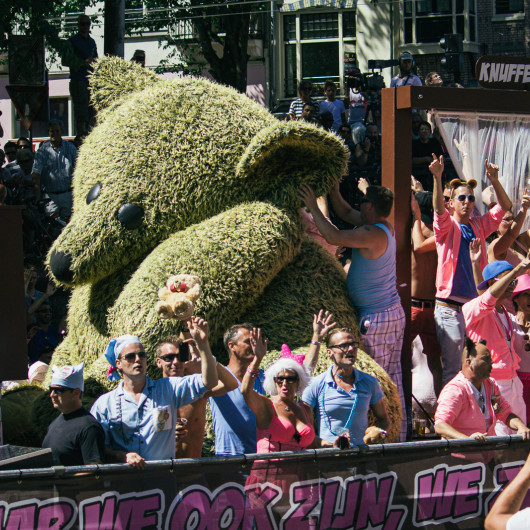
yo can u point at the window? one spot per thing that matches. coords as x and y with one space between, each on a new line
59 110
427 21
509 7
320 51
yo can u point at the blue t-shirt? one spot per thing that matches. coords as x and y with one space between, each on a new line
233 422
146 427
336 107
337 410
463 281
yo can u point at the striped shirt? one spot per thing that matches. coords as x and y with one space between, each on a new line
55 166
298 105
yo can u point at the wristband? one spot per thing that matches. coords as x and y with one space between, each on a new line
253 373
316 342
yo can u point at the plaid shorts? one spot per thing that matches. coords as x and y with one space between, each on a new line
382 338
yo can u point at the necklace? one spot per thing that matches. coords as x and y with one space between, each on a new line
345 377
325 415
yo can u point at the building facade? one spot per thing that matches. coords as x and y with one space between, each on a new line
317 40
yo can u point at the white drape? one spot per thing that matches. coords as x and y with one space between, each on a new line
503 139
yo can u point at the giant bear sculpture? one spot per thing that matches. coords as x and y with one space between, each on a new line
185 176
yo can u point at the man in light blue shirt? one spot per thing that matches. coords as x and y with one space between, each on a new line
139 416
53 168
342 396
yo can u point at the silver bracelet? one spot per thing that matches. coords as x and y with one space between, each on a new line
316 342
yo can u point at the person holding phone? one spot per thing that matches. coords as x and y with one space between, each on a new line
139 415
174 359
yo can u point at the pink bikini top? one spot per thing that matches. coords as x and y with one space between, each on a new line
282 431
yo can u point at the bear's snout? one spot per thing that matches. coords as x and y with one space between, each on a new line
60 263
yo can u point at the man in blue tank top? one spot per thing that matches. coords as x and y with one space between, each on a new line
371 279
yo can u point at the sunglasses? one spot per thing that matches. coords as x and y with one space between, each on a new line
462 198
60 390
130 357
170 357
288 379
346 346
446 198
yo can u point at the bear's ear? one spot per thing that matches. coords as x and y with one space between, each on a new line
114 79
287 154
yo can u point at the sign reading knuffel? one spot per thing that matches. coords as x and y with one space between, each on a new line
499 71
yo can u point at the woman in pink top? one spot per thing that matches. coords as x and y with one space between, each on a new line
281 421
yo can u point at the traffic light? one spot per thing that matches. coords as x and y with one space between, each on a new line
453 59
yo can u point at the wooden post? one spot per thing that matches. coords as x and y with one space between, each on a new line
396 166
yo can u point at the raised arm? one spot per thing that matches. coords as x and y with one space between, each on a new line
322 323
199 333
475 253
492 172
509 501
227 382
342 208
498 288
420 243
368 237
498 248
436 167
258 404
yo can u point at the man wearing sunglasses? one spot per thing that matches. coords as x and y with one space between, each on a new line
342 396
74 437
487 319
455 284
140 415
173 358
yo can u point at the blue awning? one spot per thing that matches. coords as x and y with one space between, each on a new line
295 5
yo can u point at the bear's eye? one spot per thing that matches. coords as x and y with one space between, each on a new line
131 216
94 192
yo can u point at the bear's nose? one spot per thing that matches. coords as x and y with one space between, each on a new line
130 215
60 263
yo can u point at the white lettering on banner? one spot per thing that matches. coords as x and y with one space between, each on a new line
484 71
501 72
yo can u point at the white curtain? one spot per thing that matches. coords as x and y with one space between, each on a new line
503 139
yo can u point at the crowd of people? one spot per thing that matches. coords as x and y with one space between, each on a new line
470 308
144 419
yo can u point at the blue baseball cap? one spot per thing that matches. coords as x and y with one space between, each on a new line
492 270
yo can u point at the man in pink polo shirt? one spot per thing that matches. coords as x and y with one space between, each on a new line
454 277
471 403
487 319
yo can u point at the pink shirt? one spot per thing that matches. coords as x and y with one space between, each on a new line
447 234
458 407
482 322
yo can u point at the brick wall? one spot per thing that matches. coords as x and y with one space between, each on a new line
503 37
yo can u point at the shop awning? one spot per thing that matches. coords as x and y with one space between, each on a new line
295 5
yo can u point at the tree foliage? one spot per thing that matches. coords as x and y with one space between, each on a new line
212 31
37 17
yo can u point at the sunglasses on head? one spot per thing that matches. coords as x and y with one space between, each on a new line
129 357
288 379
463 197
60 389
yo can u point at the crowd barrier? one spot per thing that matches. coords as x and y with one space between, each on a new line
431 484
